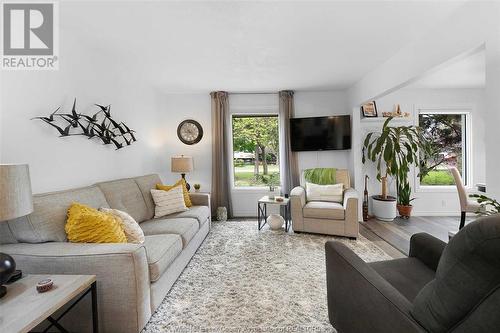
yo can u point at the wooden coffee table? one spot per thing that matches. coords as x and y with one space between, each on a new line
23 308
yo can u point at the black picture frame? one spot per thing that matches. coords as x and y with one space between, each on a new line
198 126
366 113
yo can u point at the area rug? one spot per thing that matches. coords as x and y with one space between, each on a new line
245 280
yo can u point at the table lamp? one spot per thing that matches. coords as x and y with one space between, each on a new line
182 164
16 201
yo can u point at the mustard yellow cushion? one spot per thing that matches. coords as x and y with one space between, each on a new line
187 199
88 225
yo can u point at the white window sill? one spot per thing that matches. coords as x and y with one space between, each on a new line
440 189
263 189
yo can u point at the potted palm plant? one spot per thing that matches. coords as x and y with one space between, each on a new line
393 151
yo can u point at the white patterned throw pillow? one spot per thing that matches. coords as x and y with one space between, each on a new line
168 202
332 193
129 225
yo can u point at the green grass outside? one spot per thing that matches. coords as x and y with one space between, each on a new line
438 177
243 175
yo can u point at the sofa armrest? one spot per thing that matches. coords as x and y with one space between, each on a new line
359 299
427 249
297 202
121 270
351 212
200 199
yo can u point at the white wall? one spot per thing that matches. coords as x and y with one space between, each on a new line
444 201
88 74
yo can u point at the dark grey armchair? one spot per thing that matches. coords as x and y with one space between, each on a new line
438 288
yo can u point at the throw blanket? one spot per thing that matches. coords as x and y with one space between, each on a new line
320 176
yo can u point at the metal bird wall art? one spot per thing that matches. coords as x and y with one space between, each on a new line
100 125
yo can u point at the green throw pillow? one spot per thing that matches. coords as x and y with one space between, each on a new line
320 176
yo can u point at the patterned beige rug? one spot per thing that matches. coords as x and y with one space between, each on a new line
245 280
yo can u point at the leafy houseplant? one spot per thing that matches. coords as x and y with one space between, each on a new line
488 206
272 181
393 151
197 187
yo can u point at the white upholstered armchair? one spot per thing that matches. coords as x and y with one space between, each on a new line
324 217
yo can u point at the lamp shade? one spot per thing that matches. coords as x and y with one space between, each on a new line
16 199
182 164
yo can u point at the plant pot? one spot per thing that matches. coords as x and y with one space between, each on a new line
384 209
405 211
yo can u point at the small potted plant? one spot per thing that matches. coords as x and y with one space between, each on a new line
197 187
273 182
487 206
404 199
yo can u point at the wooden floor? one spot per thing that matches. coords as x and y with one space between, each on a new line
398 232
385 246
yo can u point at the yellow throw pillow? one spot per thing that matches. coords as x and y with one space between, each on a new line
88 225
187 199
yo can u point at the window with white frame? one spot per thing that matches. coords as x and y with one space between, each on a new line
255 150
449 135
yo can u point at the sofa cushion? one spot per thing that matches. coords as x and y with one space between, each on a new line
161 250
184 227
46 223
146 183
6 235
468 272
200 213
407 275
125 195
324 210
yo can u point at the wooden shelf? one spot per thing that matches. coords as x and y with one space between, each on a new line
381 120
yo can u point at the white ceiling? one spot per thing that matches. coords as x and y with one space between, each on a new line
469 72
249 46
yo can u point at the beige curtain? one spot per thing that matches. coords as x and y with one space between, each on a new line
221 189
289 167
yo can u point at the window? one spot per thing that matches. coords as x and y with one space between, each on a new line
448 135
255 150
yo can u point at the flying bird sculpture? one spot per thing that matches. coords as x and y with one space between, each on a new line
98 125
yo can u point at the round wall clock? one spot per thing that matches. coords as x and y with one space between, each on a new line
190 131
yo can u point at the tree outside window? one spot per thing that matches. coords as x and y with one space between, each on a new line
255 150
447 134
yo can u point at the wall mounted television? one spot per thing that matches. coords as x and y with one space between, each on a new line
321 133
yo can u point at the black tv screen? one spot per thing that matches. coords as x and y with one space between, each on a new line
321 133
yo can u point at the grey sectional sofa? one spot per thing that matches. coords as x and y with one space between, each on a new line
132 279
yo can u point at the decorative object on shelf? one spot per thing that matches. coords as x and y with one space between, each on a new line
365 200
384 209
17 201
196 187
404 199
275 221
393 151
100 125
44 285
221 214
190 132
369 109
396 113
488 206
182 164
